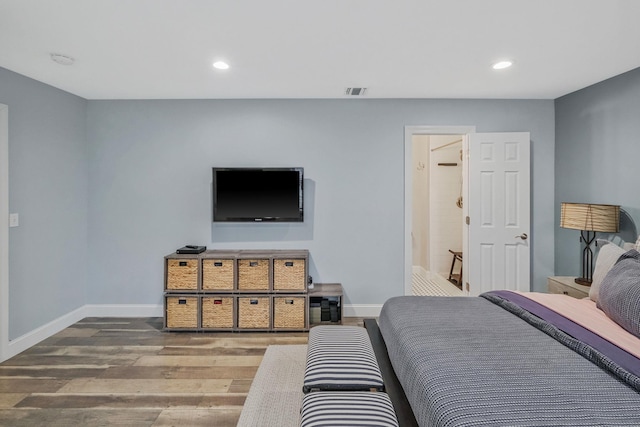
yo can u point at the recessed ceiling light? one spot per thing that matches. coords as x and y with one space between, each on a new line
502 65
220 65
62 59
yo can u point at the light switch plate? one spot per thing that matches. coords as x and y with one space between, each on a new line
14 220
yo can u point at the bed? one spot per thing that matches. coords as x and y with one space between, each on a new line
517 359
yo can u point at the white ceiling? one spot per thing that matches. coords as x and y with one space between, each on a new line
154 49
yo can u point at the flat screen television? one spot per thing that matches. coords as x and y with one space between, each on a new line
258 194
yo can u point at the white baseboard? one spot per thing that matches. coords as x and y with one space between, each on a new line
124 310
32 338
362 310
151 310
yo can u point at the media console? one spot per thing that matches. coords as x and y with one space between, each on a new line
245 290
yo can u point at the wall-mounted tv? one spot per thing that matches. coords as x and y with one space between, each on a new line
258 194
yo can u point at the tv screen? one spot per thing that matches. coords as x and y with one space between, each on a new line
257 195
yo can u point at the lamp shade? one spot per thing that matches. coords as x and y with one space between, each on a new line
584 216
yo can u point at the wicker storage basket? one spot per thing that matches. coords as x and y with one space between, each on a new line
182 274
217 312
289 274
181 311
289 312
218 274
254 312
253 274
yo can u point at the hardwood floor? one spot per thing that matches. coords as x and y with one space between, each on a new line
128 372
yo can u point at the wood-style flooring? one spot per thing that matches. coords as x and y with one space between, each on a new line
128 372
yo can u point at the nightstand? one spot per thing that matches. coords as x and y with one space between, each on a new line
567 285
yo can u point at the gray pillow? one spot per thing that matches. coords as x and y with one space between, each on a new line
607 257
620 292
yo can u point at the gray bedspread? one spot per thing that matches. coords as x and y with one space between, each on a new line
464 361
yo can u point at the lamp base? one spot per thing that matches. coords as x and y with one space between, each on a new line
582 281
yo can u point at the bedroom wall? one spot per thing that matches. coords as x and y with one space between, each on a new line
48 188
105 189
597 152
150 183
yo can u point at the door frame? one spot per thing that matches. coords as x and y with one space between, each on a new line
4 231
409 132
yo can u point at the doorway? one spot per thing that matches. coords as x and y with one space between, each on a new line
436 235
428 261
496 209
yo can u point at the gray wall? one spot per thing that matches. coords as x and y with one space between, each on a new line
105 189
597 152
150 184
48 187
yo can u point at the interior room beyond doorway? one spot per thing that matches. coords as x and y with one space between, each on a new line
436 235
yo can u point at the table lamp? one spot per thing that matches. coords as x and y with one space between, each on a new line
589 218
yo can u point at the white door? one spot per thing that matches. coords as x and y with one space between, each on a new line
499 212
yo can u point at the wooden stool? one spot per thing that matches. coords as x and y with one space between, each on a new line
456 279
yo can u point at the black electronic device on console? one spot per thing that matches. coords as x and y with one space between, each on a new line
191 249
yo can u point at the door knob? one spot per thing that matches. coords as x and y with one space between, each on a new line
523 236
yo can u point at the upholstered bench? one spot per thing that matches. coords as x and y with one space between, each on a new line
347 408
341 358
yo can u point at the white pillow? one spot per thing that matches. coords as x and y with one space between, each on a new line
607 256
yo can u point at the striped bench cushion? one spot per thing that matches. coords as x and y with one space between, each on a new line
347 408
341 358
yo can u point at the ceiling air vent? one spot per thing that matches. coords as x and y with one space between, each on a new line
355 91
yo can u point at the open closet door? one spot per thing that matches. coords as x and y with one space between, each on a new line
498 212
